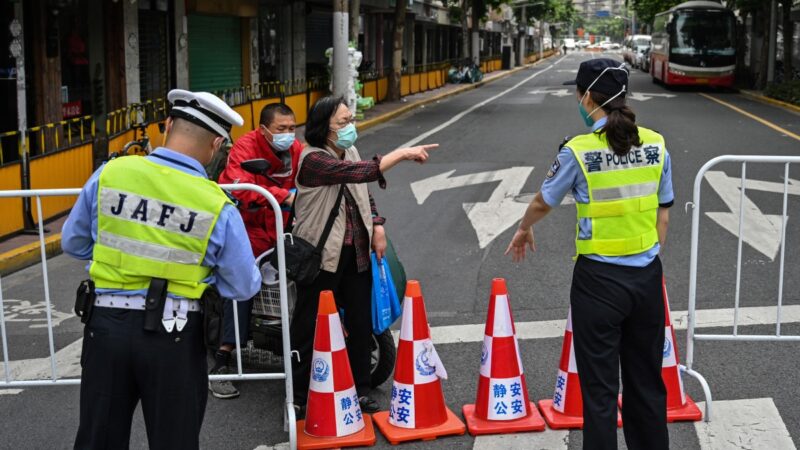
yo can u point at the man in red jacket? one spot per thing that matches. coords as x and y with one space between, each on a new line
273 140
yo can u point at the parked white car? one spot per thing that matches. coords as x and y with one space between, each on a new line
634 47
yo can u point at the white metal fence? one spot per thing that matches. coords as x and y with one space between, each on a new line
692 335
56 380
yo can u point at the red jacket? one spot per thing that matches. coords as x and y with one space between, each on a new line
259 219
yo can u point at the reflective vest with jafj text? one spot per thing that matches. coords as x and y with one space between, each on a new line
153 221
623 194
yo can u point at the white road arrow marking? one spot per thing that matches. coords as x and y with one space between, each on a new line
558 93
769 186
761 231
644 96
490 218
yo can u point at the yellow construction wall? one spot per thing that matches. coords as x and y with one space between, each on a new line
298 104
371 89
383 89
65 169
246 111
10 208
116 143
313 96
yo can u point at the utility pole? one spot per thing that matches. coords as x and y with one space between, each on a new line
523 38
476 36
773 35
339 70
17 49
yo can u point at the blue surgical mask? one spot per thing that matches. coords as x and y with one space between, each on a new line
346 137
282 141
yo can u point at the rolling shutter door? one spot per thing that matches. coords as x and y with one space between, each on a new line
215 53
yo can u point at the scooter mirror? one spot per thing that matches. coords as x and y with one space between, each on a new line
257 166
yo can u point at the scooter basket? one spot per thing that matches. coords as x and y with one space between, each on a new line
268 300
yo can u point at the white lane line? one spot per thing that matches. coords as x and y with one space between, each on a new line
281 446
544 329
545 440
10 391
743 424
68 365
460 115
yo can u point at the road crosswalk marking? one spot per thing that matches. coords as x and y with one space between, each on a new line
544 440
753 423
745 424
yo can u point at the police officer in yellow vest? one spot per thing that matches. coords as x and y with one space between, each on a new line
620 177
158 234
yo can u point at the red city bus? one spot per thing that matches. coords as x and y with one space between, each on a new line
693 44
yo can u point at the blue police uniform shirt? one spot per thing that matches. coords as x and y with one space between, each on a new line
566 176
235 274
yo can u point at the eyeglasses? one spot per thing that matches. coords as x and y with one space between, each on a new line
344 123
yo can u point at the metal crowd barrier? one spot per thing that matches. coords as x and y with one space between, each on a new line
693 336
56 380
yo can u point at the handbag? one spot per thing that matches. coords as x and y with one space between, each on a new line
385 303
396 268
303 259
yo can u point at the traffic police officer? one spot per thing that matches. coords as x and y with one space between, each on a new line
155 227
620 177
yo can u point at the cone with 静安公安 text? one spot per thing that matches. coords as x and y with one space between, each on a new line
565 409
502 404
333 414
417 409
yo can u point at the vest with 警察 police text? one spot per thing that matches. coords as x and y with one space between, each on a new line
623 194
153 221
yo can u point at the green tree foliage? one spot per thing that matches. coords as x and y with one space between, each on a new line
647 9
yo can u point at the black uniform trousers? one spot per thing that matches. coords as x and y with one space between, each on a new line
122 364
353 293
618 322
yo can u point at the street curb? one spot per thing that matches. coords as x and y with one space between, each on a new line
28 254
366 124
764 99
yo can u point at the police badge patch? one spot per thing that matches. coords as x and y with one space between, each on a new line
320 370
554 169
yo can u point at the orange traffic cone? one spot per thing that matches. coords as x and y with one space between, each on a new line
680 407
333 415
502 404
417 410
565 409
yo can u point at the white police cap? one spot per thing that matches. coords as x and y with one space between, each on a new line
204 109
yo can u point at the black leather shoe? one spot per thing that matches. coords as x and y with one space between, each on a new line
299 411
368 405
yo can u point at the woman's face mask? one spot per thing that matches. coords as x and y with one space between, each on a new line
586 116
346 136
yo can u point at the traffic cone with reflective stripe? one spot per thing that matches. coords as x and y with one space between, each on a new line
333 415
417 410
502 404
680 407
565 409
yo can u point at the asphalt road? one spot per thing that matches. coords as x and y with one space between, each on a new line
510 133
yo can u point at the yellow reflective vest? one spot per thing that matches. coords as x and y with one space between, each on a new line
153 221
623 194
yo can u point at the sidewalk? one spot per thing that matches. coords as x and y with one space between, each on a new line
22 250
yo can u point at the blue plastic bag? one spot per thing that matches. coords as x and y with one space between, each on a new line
385 303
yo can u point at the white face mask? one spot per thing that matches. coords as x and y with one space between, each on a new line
622 68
